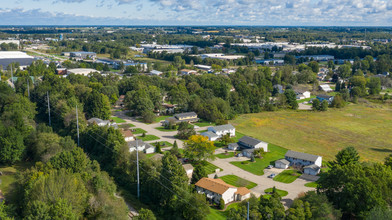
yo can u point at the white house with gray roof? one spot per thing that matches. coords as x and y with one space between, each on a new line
222 130
141 146
211 135
282 164
101 122
309 162
248 145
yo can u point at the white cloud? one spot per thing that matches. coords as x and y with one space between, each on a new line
259 12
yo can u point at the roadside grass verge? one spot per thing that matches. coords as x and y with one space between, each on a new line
282 193
163 144
126 126
161 128
148 137
287 176
138 131
238 181
225 155
312 185
161 118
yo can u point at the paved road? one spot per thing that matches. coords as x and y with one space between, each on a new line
294 188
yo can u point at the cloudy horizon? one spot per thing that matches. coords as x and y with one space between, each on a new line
202 12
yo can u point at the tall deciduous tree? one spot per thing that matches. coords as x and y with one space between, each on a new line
98 106
199 148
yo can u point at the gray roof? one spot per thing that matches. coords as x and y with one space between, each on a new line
223 127
185 114
209 134
233 145
248 150
139 143
249 140
187 166
324 96
302 156
97 120
284 161
313 167
21 61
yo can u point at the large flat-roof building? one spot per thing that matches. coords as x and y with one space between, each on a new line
8 57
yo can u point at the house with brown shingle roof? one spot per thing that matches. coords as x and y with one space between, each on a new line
216 189
128 136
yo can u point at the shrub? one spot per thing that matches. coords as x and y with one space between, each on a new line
221 204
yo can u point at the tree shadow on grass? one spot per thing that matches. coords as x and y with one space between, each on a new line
384 150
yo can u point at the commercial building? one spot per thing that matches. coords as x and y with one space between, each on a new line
8 57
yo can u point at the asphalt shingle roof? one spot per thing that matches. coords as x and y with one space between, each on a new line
223 127
249 140
185 114
302 156
214 185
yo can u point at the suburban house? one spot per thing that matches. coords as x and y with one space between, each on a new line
325 88
189 170
248 145
302 94
187 72
278 88
182 117
213 133
325 97
128 136
101 122
155 73
216 189
309 162
282 164
168 108
141 146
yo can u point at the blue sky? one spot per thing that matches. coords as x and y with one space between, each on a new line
197 12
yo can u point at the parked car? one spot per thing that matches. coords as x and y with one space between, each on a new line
272 175
270 166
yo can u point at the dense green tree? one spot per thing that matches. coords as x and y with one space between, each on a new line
98 106
348 155
291 98
324 106
374 85
338 101
185 130
145 214
388 161
316 104
198 173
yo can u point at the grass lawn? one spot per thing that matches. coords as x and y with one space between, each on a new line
224 155
138 131
238 135
8 177
364 126
238 181
209 167
216 214
257 167
161 118
165 129
163 144
282 193
204 123
311 184
118 120
202 131
148 137
287 176
150 155
126 126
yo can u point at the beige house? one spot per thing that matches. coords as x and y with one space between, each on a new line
189 170
216 189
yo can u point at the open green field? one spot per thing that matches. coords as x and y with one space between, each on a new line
287 176
204 123
364 126
148 137
117 119
282 193
238 181
257 167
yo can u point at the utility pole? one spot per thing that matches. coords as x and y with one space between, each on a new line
137 168
28 87
12 77
47 93
77 123
247 216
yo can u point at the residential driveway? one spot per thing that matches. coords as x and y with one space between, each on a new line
302 106
294 188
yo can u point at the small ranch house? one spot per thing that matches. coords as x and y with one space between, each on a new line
211 135
222 130
182 117
101 122
216 189
248 145
302 94
325 88
309 162
128 136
